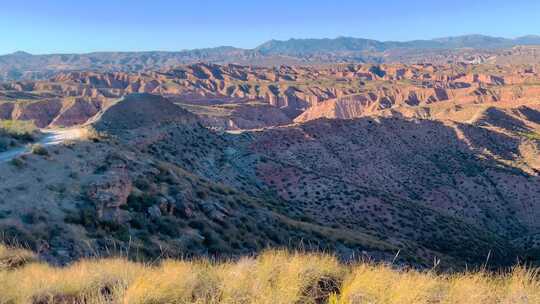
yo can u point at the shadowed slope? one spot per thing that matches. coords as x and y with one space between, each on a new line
141 111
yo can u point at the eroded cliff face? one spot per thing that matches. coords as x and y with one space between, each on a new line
55 112
300 93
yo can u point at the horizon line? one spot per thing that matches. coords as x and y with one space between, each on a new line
270 40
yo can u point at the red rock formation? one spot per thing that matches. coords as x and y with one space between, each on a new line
339 91
76 112
42 112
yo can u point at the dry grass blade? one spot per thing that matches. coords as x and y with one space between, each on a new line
274 277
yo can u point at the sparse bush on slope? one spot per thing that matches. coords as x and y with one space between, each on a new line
273 277
530 135
38 149
18 129
14 133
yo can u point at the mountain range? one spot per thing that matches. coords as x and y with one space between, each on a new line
349 44
470 48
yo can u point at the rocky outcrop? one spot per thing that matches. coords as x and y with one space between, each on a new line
110 192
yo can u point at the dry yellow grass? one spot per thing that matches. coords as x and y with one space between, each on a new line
90 281
280 277
382 284
273 277
14 257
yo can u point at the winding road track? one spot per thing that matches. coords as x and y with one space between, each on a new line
50 138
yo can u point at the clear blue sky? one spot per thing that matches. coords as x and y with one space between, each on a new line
46 26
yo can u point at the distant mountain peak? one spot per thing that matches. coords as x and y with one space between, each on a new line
529 37
20 54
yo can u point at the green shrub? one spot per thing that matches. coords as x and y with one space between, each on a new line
530 135
17 162
21 130
38 149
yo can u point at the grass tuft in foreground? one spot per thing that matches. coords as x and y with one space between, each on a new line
272 277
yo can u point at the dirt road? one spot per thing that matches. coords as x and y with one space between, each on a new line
50 138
